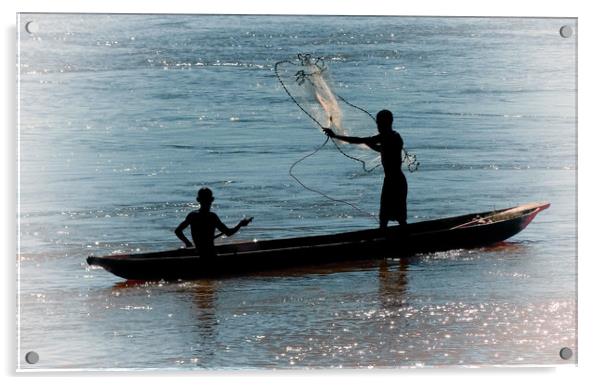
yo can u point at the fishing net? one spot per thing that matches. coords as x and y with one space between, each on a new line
307 82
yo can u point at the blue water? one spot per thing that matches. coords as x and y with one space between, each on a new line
124 117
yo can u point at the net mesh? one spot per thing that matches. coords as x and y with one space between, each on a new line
308 82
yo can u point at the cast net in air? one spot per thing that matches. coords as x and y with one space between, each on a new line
307 82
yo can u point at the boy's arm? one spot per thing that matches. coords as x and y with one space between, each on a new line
179 232
231 231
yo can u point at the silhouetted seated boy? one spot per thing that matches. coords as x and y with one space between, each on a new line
203 224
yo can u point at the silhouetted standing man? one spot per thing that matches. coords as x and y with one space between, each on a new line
395 187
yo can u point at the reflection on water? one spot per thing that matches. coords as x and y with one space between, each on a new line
392 281
314 318
203 300
380 313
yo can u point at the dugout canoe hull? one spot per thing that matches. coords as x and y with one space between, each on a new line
461 232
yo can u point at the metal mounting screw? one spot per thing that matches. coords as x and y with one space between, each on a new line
566 31
566 353
32 357
31 27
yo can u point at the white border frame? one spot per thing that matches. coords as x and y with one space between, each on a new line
588 145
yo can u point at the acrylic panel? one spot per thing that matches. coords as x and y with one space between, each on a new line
123 118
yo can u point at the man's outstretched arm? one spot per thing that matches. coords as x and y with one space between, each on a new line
370 141
180 233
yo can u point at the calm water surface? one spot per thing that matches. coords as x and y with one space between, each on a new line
123 118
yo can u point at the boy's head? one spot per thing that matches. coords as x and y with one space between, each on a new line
384 121
204 196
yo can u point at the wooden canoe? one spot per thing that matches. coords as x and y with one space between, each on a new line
466 231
